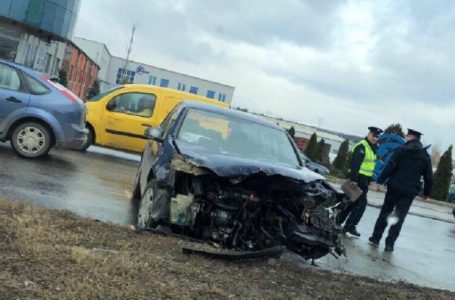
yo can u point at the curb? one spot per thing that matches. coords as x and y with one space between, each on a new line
418 215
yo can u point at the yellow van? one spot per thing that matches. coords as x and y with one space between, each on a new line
118 117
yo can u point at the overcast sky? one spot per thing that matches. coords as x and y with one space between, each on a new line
345 64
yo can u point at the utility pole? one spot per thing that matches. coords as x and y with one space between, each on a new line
125 78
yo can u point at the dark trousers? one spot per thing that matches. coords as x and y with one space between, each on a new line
356 209
401 203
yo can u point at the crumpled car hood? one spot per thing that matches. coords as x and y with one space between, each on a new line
231 166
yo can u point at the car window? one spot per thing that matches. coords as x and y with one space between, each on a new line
35 86
138 104
166 124
105 93
234 136
9 78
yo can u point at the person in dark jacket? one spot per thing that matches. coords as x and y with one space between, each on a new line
402 176
362 169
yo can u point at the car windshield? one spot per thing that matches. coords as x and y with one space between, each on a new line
304 157
232 136
105 93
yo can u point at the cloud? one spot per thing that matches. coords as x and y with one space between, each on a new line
349 63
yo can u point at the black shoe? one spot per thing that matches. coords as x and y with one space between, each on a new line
351 230
373 241
388 248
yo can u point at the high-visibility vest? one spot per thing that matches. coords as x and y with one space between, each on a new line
368 164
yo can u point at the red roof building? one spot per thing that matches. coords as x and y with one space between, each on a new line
82 70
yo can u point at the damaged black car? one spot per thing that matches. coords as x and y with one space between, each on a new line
234 181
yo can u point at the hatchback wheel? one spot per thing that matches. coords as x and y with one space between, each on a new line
31 140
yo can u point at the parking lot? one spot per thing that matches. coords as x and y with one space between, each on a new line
98 185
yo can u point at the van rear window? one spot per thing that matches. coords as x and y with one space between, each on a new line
105 93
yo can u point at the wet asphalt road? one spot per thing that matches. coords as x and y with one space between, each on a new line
90 184
98 185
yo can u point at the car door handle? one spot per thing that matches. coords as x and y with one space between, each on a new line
13 99
147 125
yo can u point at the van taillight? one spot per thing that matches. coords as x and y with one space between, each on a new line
62 89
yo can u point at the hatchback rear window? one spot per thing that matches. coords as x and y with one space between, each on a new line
105 93
35 86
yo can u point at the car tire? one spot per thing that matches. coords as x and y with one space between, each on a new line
89 140
144 218
31 140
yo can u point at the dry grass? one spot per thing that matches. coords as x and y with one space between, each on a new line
47 254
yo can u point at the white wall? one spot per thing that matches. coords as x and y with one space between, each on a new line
99 53
173 77
39 54
305 131
110 64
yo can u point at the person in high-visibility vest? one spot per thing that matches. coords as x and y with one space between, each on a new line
362 168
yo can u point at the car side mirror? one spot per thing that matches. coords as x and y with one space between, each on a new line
110 106
154 133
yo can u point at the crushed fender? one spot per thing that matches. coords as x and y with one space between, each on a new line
178 164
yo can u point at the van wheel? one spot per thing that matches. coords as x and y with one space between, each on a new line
89 140
31 140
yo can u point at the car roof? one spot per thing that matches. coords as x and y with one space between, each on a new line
187 104
182 94
20 67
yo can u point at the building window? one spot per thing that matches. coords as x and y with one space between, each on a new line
56 66
210 94
30 55
125 76
181 87
194 90
152 80
41 58
164 82
222 97
48 62
9 42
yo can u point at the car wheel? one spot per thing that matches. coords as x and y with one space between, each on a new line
144 218
31 140
89 140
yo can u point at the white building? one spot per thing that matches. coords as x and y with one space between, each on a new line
101 55
306 131
112 72
33 51
34 33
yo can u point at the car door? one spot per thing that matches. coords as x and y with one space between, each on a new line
154 149
125 119
13 95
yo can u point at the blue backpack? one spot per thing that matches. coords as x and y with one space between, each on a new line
387 145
